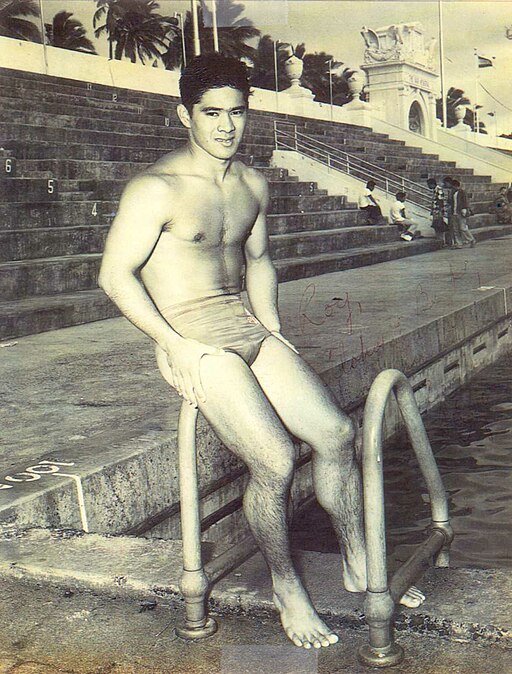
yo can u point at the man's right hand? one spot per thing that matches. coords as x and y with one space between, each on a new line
183 359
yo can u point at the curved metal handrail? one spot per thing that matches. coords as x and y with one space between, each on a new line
346 162
381 596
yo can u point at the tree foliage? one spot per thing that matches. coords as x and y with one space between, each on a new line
454 98
12 23
68 33
134 28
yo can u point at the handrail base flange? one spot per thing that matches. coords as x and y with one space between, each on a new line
190 633
381 657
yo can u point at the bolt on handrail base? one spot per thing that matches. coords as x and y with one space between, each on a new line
387 656
189 631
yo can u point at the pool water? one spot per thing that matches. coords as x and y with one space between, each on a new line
471 437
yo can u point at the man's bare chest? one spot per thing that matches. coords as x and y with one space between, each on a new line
213 216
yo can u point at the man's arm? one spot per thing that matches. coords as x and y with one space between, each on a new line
260 274
143 211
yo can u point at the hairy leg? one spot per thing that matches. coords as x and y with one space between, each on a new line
309 411
246 423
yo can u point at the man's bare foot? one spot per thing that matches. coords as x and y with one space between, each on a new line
412 598
300 621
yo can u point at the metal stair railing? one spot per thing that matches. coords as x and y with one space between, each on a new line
382 651
290 138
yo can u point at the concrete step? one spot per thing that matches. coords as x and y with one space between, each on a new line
33 315
113 188
48 276
29 215
29 190
289 269
40 149
305 204
81 169
321 241
171 137
300 222
46 242
16 110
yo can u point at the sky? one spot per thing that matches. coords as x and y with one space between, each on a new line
334 26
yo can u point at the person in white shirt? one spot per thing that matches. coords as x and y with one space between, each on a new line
407 227
369 205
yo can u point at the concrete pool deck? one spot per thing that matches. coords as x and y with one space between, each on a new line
91 396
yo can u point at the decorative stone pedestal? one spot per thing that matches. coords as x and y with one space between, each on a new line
402 76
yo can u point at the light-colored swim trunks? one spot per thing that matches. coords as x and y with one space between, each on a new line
221 321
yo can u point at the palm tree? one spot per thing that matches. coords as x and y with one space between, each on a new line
263 73
135 28
11 25
68 33
140 32
110 11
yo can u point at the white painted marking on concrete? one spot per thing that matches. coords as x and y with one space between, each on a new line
81 502
35 472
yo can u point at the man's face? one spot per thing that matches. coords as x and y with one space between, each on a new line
218 121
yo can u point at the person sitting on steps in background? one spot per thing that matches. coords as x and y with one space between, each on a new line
408 228
173 263
369 205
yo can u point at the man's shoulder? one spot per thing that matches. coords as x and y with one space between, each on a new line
158 179
255 179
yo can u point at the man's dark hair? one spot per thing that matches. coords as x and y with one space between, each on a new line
370 184
447 180
455 183
400 196
212 71
432 182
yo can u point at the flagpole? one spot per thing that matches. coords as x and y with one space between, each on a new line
195 23
43 36
330 86
441 66
276 74
214 23
475 110
179 16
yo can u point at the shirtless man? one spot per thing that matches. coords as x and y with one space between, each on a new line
189 224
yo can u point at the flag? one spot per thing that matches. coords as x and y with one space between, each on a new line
484 62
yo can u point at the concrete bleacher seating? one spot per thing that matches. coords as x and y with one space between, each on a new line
68 147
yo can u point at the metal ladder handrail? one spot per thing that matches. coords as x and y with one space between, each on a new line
382 651
348 163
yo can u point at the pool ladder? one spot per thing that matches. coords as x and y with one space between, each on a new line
381 651
381 597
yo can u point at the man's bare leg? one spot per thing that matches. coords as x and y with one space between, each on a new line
244 420
309 412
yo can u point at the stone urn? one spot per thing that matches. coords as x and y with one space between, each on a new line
355 85
460 112
355 82
293 68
